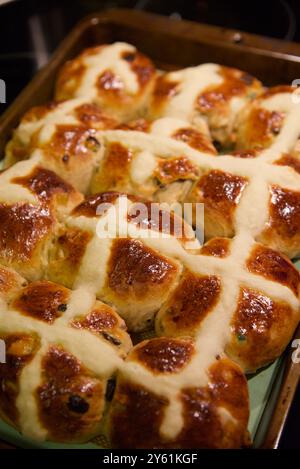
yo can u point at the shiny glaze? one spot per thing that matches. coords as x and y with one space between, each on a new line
217 247
71 141
235 83
164 89
88 207
42 300
44 183
274 266
23 227
98 320
141 66
195 139
70 399
261 127
289 160
109 82
134 269
173 169
220 192
283 227
260 326
164 355
91 115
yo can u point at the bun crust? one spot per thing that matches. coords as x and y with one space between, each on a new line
50 386
213 415
95 239
116 76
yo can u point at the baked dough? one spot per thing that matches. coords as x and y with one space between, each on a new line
122 256
116 76
179 400
65 137
33 201
151 159
70 234
261 122
255 286
62 350
241 191
209 91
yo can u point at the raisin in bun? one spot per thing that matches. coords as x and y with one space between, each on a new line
62 348
65 136
152 159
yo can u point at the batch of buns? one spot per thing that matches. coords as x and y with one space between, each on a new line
75 304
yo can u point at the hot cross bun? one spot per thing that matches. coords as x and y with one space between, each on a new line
64 135
207 92
116 76
87 250
62 348
151 159
33 201
180 396
258 193
121 255
248 291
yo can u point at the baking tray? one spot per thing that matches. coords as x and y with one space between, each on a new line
174 44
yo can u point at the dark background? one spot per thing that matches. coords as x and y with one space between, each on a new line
30 30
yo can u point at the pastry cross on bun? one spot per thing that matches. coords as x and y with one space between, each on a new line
248 291
116 76
62 347
70 233
64 135
33 202
125 257
256 194
209 92
151 159
180 397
